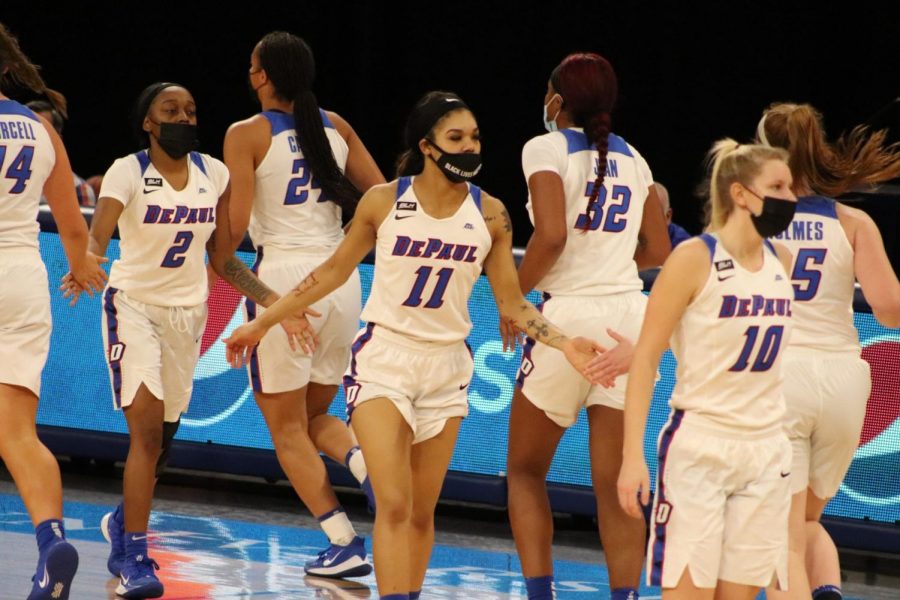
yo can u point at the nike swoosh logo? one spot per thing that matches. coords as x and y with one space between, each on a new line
724 278
398 217
327 562
151 191
464 386
124 580
138 537
785 474
45 579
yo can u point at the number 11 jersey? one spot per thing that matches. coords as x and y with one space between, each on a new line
425 268
164 231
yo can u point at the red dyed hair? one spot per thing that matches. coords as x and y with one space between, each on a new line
589 89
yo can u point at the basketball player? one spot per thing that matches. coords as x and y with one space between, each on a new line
288 184
33 161
719 524
590 196
407 379
826 382
171 207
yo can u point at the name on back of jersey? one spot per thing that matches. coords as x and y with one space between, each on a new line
803 231
612 169
16 130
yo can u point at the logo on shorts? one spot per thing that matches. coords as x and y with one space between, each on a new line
468 226
783 474
663 512
464 385
116 351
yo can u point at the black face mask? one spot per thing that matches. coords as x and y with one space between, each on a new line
177 139
458 167
776 215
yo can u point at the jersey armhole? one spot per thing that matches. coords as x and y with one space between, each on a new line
475 191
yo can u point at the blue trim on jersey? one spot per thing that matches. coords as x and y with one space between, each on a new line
255 379
11 107
325 120
710 242
617 144
143 158
279 121
658 556
112 333
527 348
770 247
575 140
402 185
817 205
476 195
198 160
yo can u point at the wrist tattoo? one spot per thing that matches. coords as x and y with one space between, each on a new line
308 282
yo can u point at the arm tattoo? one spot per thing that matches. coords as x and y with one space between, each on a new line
538 328
308 282
507 224
243 280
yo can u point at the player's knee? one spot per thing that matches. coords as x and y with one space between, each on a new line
523 470
422 519
605 476
394 506
286 437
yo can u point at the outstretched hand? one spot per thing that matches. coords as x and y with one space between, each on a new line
580 352
300 331
609 365
240 343
87 277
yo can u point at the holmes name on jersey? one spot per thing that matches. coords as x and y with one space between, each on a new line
433 247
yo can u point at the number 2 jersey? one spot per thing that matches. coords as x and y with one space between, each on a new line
598 258
164 231
26 160
425 268
823 276
729 343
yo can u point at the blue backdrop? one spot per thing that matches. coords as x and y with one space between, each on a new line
76 394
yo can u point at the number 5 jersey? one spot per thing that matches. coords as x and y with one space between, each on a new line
164 231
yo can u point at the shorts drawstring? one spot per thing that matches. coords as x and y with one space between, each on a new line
178 319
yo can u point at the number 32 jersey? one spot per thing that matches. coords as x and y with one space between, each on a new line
164 231
729 343
425 268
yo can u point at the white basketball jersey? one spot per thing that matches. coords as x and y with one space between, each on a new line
728 345
425 268
26 160
823 277
163 232
289 209
600 259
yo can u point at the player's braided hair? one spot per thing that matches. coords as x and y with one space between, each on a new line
589 88
289 64
15 66
427 113
856 159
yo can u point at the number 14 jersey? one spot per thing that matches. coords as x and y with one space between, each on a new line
164 231
729 342
425 268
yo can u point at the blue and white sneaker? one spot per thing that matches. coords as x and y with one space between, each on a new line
115 535
138 580
366 486
341 561
55 571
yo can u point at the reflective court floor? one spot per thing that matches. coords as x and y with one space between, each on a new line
213 542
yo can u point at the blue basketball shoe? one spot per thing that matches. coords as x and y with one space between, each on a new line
55 571
138 579
114 532
341 561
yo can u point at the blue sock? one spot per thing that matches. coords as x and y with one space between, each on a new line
624 593
395 597
135 545
119 514
48 533
415 595
539 588
827 592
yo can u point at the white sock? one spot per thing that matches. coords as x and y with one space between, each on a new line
337 527
357 464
